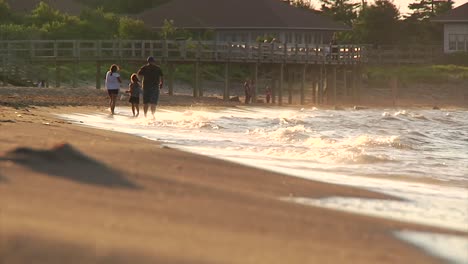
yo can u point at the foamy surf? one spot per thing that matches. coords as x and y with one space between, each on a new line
339 147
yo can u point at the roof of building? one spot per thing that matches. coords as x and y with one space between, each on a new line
237 14
459 14
66 6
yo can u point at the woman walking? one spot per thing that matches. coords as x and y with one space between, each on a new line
113 85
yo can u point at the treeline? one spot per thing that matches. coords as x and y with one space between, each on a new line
122 6
381 23
44 22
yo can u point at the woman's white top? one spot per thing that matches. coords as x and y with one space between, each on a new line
112 83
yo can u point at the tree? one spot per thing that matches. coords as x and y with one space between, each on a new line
97 24
123 6
340 10
426 9
306 4
378 24
133 29
16 32
5 12
418 27
168 30
43 14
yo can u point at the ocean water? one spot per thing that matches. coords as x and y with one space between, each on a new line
418 155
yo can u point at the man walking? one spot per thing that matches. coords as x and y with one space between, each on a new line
152 82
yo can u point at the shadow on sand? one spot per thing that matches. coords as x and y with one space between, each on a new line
67 162
31 249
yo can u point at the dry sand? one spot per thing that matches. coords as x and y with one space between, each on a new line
71 194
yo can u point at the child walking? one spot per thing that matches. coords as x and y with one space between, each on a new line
134 89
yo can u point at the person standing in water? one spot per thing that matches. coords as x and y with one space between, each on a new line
268 94
247 91
113 85
152 83
134 90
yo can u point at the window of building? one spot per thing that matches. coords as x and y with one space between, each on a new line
288 37
461 42
298 38
309 38
452 42
466 42
458 42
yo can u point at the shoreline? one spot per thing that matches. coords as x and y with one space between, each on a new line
85 96
186 201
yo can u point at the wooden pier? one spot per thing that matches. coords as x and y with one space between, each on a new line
320 73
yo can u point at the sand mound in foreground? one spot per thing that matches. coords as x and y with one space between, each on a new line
67 162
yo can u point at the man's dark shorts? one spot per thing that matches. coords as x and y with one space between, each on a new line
150 95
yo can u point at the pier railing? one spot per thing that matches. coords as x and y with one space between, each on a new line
181 51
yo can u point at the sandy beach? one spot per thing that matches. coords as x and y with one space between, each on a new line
72 194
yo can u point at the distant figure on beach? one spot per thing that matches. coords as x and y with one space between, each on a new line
113 85
152 82
268 94
248 91
134 89
41 84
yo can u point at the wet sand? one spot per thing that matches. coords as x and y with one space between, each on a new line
71 194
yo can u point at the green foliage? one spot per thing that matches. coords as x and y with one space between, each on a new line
456 58
418 74
418 27
170 32
97 24
378 24
133 29
44 22
340 10
265 39
426 9
421 32
302 4
15 32
123 6
5 11
44 14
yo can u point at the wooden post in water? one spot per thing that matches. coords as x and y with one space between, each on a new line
281 83
226 93
195 81
325 88
314 85
353 83
334 85
98 75
171 78
200 80
303 81
320 85
394 87
273 89
345 82
290 72
254 98
359 83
